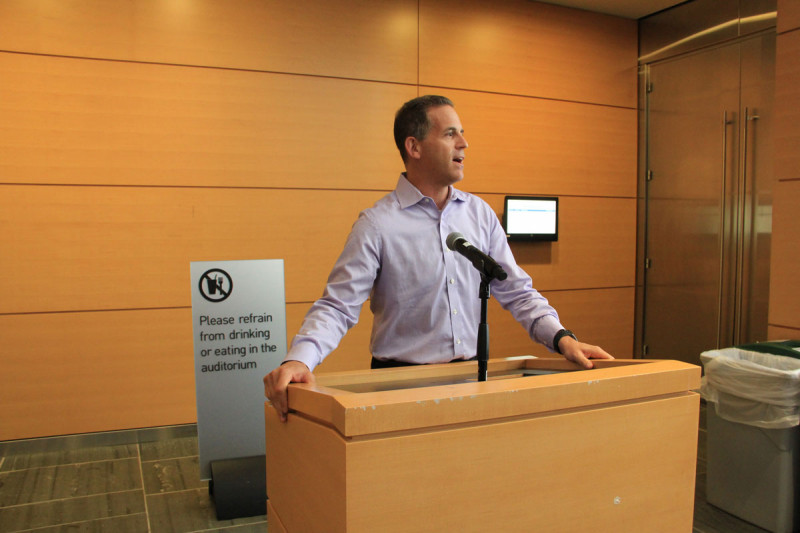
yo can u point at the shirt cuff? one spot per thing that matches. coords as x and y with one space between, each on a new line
545 330
304 353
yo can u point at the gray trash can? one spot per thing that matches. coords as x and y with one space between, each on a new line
753 433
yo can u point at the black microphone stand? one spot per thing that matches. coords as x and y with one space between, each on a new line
483 329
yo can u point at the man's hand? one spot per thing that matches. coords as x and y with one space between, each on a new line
277 381
581 353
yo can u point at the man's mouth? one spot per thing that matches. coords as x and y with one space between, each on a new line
459 160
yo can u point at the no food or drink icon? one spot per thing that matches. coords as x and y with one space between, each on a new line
216 285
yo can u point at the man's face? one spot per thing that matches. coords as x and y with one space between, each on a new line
441 153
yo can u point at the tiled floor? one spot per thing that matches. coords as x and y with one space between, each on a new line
154 487
125 488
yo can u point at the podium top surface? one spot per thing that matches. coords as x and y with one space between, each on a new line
363 403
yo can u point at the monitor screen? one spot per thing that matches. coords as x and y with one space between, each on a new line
531 218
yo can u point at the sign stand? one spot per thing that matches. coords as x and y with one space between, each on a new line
239 323
242 487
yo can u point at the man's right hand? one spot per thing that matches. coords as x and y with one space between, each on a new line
277 381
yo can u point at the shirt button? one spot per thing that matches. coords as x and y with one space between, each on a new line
455 311
458 341
452 281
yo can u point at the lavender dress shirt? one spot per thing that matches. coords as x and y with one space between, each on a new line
423 296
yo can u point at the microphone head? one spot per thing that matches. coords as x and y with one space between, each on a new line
453 238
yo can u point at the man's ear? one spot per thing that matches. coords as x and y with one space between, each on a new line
412 147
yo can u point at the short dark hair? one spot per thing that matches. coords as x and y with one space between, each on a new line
411 120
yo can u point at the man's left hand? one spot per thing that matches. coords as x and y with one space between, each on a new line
580 352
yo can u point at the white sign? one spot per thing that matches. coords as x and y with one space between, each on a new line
239 323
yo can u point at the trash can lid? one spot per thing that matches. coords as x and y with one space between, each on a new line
789 348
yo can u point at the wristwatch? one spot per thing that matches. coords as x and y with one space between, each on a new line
559 336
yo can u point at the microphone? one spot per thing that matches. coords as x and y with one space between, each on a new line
485 264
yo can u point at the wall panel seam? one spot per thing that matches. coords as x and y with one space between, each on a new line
305 189
545 193
122 309
288 302
585 289
210 67
783 326
116 310
419 43
318 76
533 97
161 186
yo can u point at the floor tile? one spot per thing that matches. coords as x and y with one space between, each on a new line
68 481
64 457
118 524
170 475
190 510
71 510
169 448
260 527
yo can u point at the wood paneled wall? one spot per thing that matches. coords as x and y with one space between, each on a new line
784 297
140 136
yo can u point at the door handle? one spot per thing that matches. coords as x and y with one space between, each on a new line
744 216
726 121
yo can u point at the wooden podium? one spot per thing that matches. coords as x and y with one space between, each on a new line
540 447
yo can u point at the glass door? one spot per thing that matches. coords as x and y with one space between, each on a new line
692 144
708 199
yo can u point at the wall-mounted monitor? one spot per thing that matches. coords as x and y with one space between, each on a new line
531 218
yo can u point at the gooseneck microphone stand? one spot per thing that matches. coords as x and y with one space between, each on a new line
489 270
483 329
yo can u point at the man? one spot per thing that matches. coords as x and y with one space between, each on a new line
423 296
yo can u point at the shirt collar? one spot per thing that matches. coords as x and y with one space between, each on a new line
409 195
